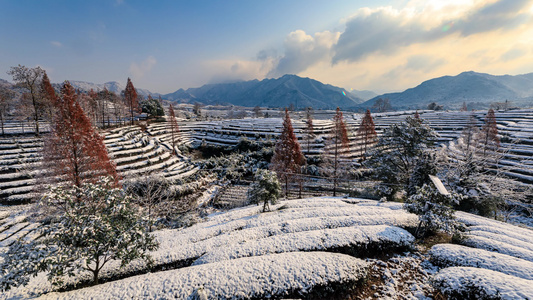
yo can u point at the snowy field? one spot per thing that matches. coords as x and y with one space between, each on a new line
301 247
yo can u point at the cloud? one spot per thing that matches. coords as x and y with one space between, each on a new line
303 50
513 54
231 70
56 44
138 70
385 30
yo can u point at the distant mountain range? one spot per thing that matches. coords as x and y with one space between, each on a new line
477 90
281 92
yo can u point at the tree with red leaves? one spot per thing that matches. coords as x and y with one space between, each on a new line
489 133
48 96
130 97
74 151
366 134
288 157
174 128
337 146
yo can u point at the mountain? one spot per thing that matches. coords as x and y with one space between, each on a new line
112 86
280 92
365 94
477 89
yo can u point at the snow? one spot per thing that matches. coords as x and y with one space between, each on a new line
464 282
500 247
456 255
256 277
358 239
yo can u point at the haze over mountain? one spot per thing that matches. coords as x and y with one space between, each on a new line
280 92
478 89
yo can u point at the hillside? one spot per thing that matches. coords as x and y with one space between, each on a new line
476 89
313 248
280 92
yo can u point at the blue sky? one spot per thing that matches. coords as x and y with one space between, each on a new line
166 45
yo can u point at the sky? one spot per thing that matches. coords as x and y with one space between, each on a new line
164 45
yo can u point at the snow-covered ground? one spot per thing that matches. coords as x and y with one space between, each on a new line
286 252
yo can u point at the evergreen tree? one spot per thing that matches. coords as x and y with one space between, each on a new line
83 235
266 189
397 153
130 98
152 107
366 134
337 146
174 129
74 151
489 133
288 157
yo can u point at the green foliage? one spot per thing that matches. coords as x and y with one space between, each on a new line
434 211
152 107
266 189
95 223
397 152
237 161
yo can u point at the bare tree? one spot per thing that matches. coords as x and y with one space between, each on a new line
29 79
366 133
174 129
489 133
6 102
257 112
150 192
309 128
382 105
337 146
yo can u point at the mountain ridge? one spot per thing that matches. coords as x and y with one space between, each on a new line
279 92
478 89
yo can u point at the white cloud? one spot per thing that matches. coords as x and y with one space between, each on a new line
138 70
387 30
56 44
303 50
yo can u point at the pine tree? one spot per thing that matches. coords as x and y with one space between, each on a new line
74 151
337 146
174 129
288 157
130 98
366 134
489 133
